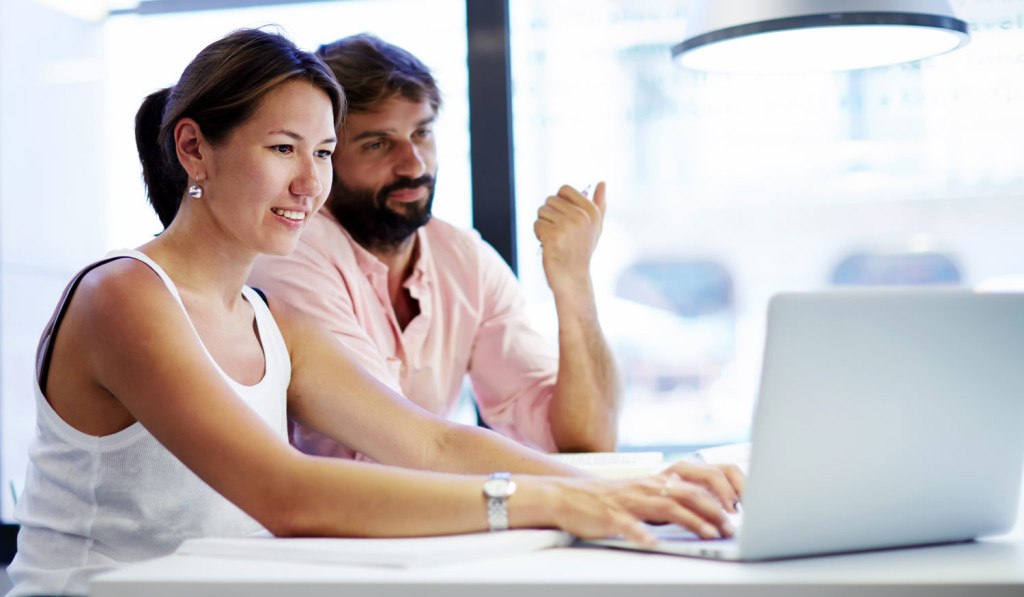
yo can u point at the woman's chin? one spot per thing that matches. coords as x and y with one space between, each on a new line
282 248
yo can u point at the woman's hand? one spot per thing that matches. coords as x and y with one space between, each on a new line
724 481
597 508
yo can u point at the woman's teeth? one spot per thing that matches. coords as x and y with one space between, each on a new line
291 215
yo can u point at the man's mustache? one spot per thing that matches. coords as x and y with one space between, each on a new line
407 183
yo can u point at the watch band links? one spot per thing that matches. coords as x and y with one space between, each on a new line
497 514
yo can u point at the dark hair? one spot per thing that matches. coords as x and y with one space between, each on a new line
220 89
372 70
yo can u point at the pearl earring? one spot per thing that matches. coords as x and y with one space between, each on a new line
195 191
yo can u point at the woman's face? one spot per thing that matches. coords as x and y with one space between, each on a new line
274 171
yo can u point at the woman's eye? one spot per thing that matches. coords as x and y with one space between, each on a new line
282 148
324 153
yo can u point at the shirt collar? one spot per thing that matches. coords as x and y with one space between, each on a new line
369 264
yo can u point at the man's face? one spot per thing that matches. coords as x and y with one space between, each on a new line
384 172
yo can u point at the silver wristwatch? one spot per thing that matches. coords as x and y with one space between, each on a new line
498 488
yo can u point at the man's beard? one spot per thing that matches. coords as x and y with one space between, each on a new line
368 219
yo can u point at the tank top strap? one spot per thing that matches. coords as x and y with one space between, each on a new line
140 256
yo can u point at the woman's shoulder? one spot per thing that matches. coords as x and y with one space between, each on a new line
97 326
115 289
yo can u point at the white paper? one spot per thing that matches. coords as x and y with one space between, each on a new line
616 465
400 552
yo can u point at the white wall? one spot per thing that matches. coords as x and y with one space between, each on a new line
52 178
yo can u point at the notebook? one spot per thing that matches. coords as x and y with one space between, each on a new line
885 418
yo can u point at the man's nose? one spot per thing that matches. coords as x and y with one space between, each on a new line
410 161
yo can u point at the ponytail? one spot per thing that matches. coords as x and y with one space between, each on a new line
164 177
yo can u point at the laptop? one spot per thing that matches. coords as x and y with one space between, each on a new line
885 418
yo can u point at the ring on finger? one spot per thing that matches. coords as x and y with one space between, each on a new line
666 487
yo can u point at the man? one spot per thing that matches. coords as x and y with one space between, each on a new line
421 303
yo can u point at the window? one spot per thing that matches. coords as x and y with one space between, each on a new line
724 189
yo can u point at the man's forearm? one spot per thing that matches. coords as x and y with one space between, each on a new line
584 408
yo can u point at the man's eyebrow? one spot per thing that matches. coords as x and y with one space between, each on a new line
389 132
298 137
371 135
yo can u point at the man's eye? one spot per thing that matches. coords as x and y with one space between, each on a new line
374 146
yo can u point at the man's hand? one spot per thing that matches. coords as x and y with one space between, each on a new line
568 226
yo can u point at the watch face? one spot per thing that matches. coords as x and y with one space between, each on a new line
497 488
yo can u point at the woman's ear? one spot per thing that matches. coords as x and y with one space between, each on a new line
187 141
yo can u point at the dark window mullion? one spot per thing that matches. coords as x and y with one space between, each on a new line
490 124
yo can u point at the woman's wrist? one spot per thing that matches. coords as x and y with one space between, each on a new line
535 502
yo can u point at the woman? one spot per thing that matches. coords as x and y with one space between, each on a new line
164 383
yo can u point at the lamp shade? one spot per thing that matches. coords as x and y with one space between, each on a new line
816 35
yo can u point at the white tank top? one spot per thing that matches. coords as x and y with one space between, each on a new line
93 503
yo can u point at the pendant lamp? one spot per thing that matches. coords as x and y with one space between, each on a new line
773 36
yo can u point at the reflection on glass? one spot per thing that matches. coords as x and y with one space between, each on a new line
896 269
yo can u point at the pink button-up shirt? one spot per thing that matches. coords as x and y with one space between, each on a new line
471 320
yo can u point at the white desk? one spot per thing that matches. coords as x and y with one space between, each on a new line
989 567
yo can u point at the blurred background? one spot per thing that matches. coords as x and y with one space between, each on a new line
722 188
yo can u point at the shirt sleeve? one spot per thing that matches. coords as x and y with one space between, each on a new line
513 369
